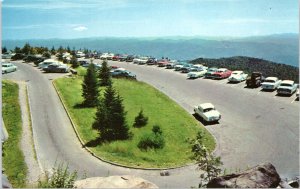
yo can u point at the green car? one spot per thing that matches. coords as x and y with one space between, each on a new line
210 71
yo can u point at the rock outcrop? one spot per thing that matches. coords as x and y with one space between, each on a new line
126 181
261 176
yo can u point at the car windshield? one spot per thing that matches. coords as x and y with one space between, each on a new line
235 73
208 109
286 84
212 69
5 65
269 81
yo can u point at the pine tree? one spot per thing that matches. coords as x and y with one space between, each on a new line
53 51
90 90
104 75
26 49
74 62
4 50
110 117
140 120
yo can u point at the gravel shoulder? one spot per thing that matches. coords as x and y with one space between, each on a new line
27 143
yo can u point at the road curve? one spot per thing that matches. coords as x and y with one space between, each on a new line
56 141
256 126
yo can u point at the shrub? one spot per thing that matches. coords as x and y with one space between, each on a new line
154 140
60 178
140 120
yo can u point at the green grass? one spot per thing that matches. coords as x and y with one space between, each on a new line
177 125
13 158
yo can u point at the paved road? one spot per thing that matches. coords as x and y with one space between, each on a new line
56 141
255 127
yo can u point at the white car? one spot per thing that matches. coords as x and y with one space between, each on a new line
237 76
46 63
136 60
8 67
208 112
143 60
270 83
196 73
104 56
287 87
297 94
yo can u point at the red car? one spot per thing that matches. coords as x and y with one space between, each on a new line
221 73
162 63
116 57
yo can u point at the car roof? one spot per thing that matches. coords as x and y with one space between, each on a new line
222 69
271 78
287 82
206 105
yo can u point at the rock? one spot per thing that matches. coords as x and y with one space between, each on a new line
126 181
165 173
261 176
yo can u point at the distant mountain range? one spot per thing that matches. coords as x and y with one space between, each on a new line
279 48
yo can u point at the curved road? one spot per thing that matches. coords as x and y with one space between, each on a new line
255 127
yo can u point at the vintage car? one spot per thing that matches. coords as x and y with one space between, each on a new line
8 67
210 71
151 61
237 76
196 73
186 68
123 57
136 59
56 68
116 57
208 112
121 72
46 63
221 73
287 87
270 83
143 60
178 66
255 79
297 94
162 63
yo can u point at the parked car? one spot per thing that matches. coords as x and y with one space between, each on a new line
210 71
116 57
151 61
143 60
170 65
129 58
270 83
18 56
110 56
8 67
255 79
80 54
196 73
136 59
221 73
104 56
123 57
7 55
297 94
121 72
46 63
186 68
208 112
237 76
287 87
179 65
162 63
56 68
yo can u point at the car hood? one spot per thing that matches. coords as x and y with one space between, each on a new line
212 113
235 77
284 87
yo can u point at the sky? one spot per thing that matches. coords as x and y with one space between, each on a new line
44 19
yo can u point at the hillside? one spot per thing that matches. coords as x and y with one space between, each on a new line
249 65
281 48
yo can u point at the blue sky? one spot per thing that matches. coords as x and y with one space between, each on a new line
42 19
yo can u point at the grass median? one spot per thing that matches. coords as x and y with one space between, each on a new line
177 125
13 158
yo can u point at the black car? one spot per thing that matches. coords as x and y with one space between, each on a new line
123 74
151 61
129 58
56 68
123 58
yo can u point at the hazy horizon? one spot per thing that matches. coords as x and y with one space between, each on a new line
66 19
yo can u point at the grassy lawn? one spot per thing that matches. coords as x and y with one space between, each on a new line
177 125
13 158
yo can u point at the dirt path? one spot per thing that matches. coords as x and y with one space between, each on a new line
27 142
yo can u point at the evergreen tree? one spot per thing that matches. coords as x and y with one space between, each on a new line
74 62
104 75
110 117
53 51
47 55
90 90
60 56
26 49
4 50
18 50
140 120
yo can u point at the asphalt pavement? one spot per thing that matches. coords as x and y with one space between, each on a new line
255 127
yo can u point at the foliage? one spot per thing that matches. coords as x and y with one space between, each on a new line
74 62
60 177
47 54
53 51
140 120
60 56
4 50
13 161
154 140
26 49
110 117
90 90
250 65
104 74
206 160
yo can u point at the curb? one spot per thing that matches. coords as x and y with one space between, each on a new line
104 160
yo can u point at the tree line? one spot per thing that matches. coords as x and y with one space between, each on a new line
249 65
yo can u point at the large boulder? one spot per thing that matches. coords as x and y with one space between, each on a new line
261 176
126 181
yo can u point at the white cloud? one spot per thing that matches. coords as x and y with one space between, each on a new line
80 28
